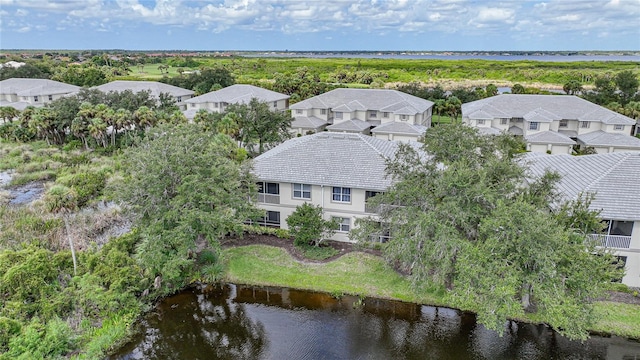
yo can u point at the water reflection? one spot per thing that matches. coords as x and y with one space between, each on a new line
198 325
243 322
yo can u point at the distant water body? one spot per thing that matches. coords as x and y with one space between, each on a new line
553 58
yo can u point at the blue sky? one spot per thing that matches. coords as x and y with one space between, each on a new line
437 25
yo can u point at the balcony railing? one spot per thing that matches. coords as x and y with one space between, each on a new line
379 238
612 241
269 198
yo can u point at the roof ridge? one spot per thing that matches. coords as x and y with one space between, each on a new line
613 166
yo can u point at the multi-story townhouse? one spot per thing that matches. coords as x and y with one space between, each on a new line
613 179
337 171
20 93
178 94
385 114
217 101
553 123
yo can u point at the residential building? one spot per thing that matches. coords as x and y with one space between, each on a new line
385 114
337 171
553 123
217 101
613 178
20 93
155 88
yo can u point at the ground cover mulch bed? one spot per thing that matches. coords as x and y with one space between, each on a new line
345 248
287 244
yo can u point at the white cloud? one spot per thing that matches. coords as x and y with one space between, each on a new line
517 19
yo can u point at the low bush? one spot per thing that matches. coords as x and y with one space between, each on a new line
317 252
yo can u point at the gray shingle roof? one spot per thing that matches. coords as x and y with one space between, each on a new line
331 159
400 128
238 94
566 107
549 137
350 125
488 130
601 138
613 177
35 87
154 87
310 122
366 99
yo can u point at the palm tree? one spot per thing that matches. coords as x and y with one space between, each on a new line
62 200
7 113
123 120
97 128
144 117
229 125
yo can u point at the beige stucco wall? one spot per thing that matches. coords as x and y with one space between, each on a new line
321 196
632 275
626 129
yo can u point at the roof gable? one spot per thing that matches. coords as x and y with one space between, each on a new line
331 159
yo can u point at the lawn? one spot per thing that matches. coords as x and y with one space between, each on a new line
367 275
354 273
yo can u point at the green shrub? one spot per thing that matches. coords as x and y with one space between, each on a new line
40 341
283 233
8 329
87 185
60 198
317 252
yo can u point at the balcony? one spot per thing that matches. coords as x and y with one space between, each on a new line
268 198
612 241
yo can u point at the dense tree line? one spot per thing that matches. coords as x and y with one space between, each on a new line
95 118
461 219
202 81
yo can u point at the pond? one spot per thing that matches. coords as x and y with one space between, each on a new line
246 322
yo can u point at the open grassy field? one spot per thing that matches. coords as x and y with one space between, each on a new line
367 275
447 73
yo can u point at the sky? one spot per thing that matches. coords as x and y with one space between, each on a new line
321 25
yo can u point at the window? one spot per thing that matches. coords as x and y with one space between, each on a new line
403 117
272 218
323 111
344 224
338 115
50 97
302 191
368 207
504 121
179 99
215 105
275 104
35 98
341 194
534 125
299 111
370 194
585 124
618 127
385 115
193 105
373 114
269 188
480 121
269 193
563 123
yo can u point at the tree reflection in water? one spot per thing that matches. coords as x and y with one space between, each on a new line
198 324
245 322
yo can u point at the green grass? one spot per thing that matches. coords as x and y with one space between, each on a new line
367 275
618 319
354 273
318 252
